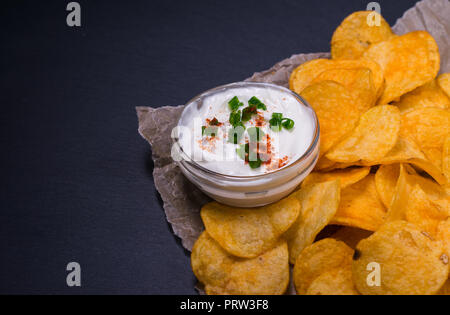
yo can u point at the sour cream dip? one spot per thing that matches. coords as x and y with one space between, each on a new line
247 144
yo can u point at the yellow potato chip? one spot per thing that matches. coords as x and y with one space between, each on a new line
444 83
359 81
324 163
429 128
333 282
374 136
304 74
446 158
360 206
445 290
405 151
422 212
408 61
350 235
443 235
336 110
224 274
318 258
356 33
429 196
385 181
319 203
346 177
409 262
247 232
427 95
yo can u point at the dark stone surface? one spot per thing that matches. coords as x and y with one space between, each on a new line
76 176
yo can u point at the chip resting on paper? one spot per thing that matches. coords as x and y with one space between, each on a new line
224 274
408 61
336 109
360 206
358 80
309 71
319 203
357 33
410 262
444 83
318 258
374 136
248 233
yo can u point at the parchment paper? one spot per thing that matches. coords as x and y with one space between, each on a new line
182 200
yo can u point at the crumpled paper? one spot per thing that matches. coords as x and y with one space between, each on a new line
182 200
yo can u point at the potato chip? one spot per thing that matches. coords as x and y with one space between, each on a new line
429 196
443 235
444 83
350 235
408 61
304 74
360 206
247 232
324 163
346 177
429 127
318 258
359 81
410 262
355 34
374 136
422 212
446 158
224 274
405 151
427 95
333 282
445 290
336 110
385 181
319 203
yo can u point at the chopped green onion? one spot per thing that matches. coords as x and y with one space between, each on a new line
234 103
277 122
288 123
255 164
254 101
235 118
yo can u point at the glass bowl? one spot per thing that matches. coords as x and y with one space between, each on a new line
247 191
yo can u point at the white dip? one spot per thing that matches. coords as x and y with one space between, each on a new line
218 154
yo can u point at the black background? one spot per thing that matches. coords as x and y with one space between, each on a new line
76 177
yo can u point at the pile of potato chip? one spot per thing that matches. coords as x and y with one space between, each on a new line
380 192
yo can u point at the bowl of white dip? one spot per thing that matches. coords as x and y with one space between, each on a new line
246 144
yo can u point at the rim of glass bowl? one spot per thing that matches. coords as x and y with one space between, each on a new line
187 159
